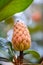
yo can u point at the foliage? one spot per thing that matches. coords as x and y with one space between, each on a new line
10 7
34 53
6 50
6 26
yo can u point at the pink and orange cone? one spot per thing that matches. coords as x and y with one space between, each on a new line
21 39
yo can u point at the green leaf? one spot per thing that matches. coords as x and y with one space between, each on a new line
6 50
34 53
13 7
3 3
35 29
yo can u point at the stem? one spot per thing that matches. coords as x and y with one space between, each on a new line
19 60
40 61
21 57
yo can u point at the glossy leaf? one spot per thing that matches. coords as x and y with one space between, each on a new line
6 50
34 53
13 7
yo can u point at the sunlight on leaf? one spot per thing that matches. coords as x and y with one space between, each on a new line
13 7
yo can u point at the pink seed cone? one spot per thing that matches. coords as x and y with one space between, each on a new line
21 39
